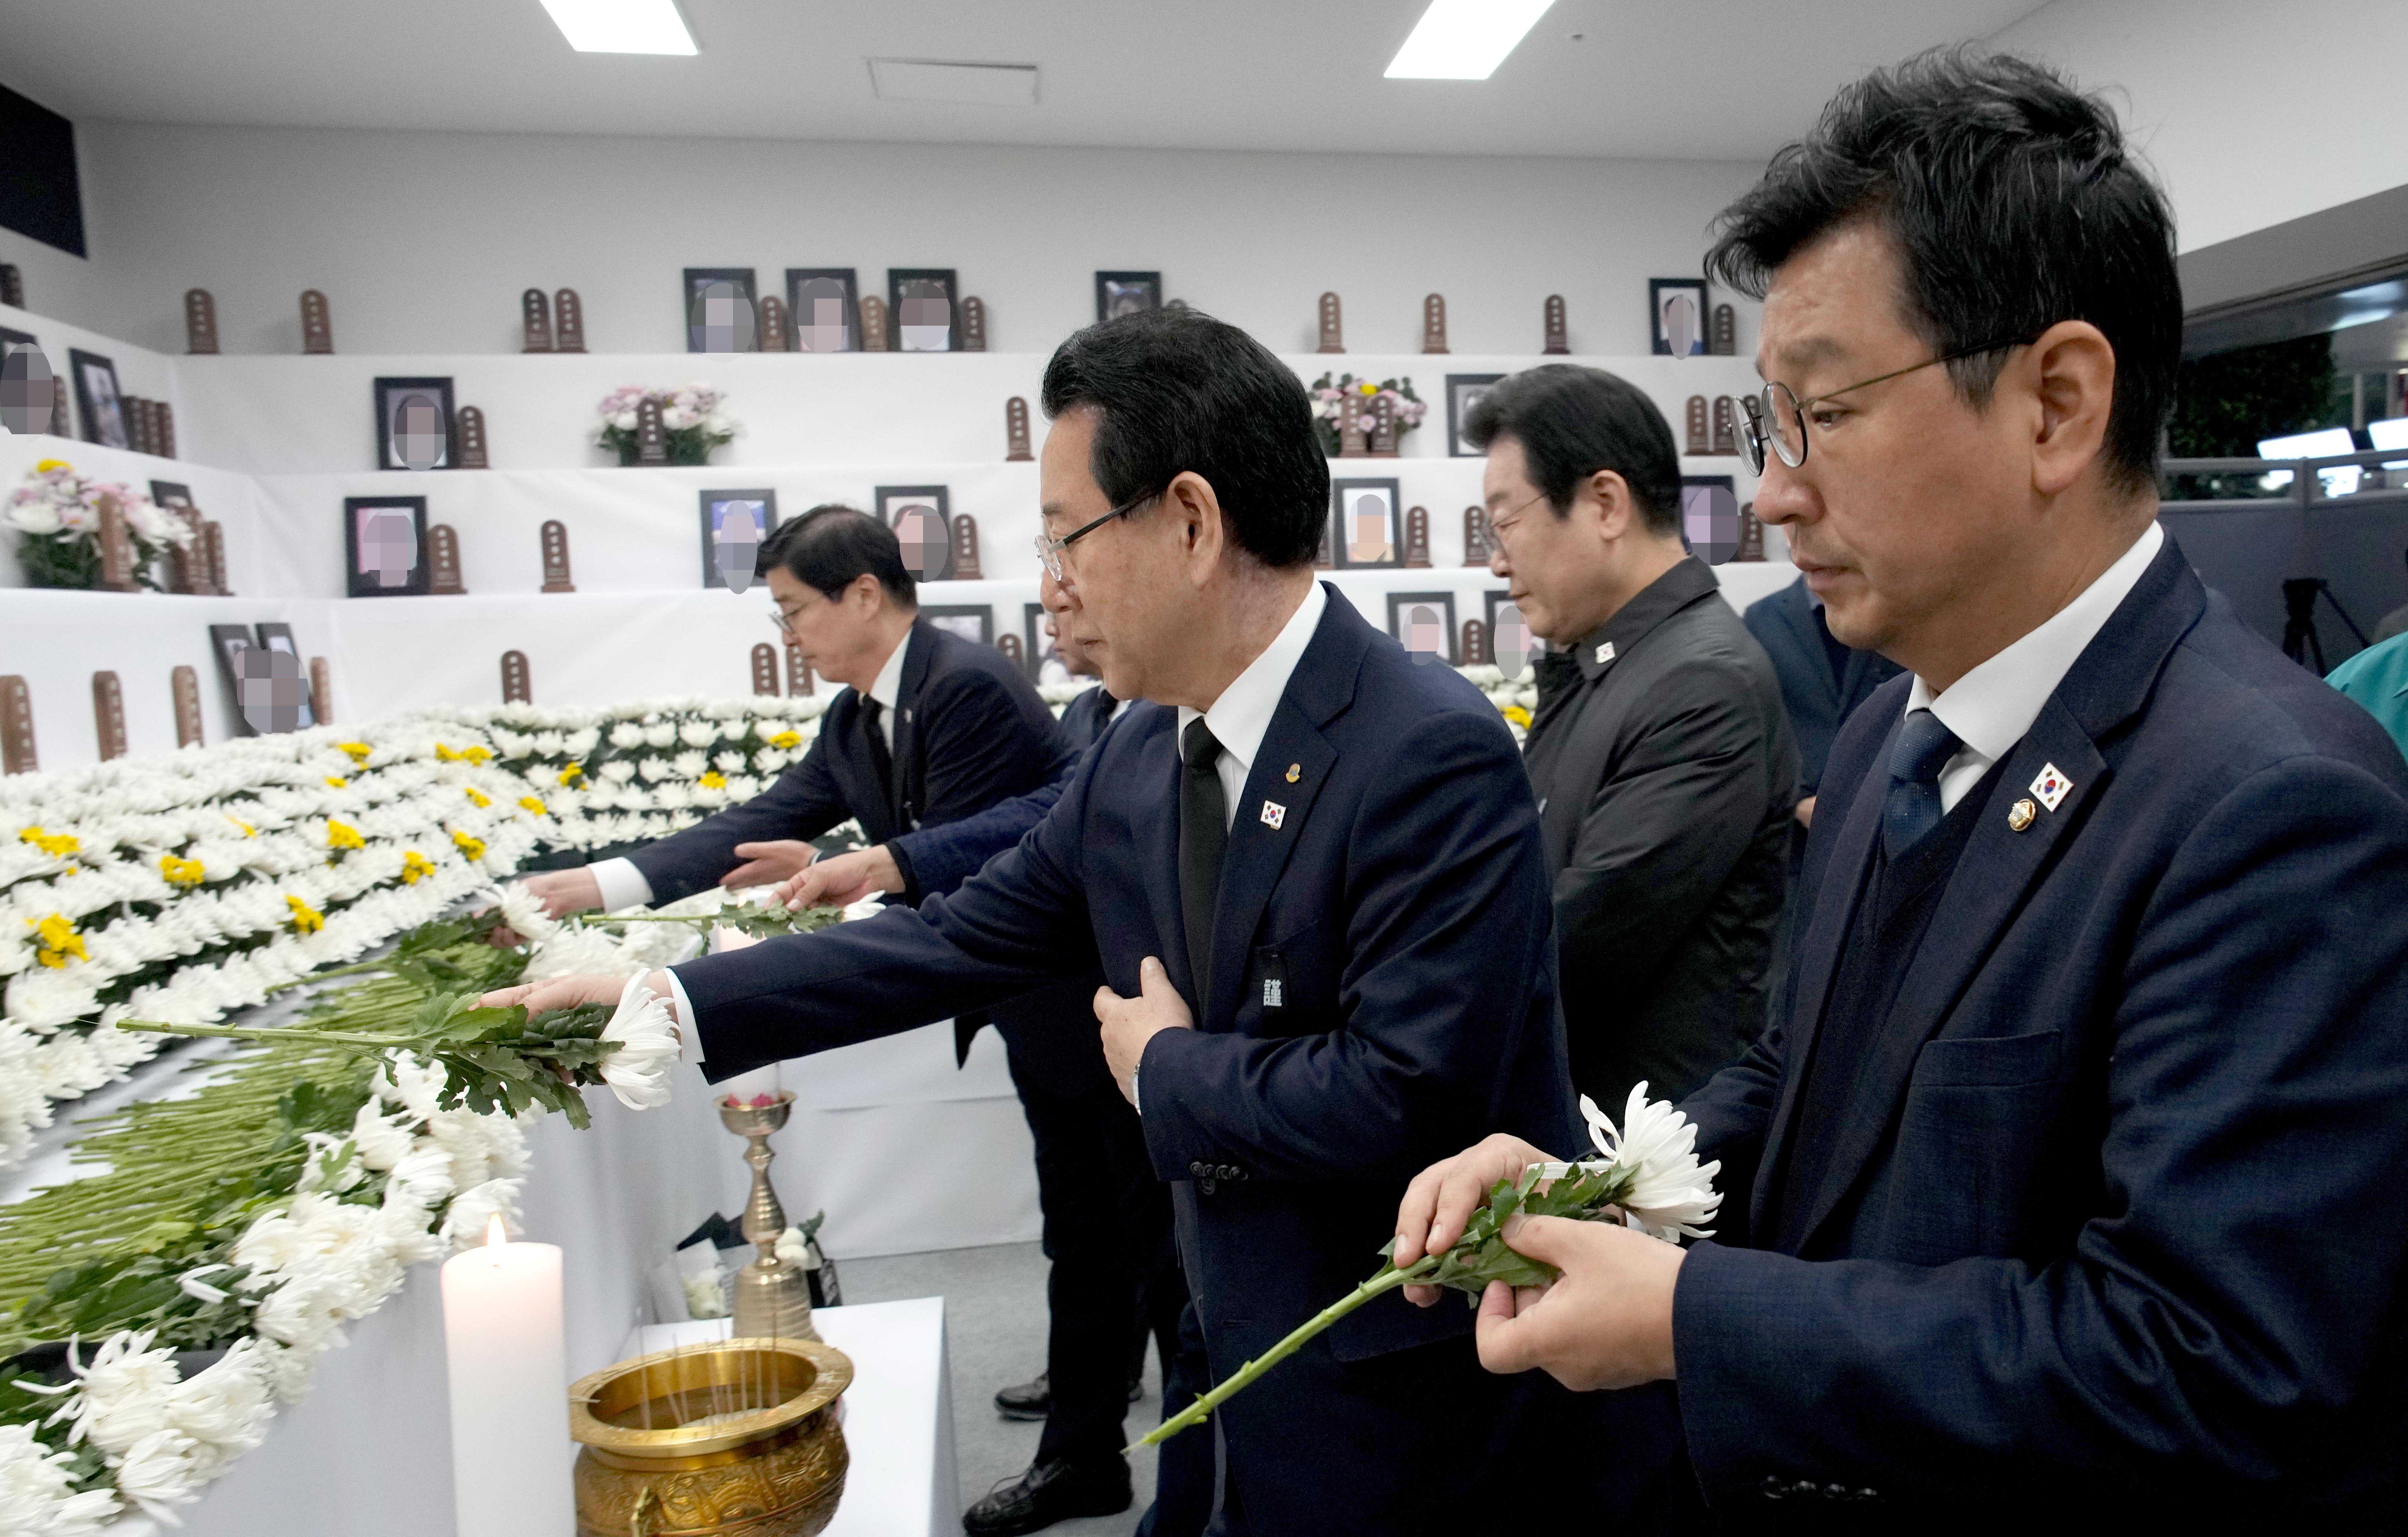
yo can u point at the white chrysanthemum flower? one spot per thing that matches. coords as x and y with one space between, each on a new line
464 1224
698 734
626 734
662 734
730 762
1670 1193
638 1070
380 1138
122 1392
522 910
706 1297
156 1473
34 1485
411 1084
618 771
224 1408
423 1178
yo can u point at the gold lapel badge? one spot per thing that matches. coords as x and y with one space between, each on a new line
1295 772
2020 814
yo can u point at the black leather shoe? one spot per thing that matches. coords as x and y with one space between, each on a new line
1049 1492
1029 1401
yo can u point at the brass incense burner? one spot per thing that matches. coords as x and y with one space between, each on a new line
738 1438
773 1298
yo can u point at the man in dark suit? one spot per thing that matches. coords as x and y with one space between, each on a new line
1823 680
2064 1190
1311 872
1663 766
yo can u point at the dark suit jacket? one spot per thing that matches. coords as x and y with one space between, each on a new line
2115 1215
1786 626
1399 906
1664 778
937 859
970 730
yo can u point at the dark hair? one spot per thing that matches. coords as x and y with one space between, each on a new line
1175 390
2014 206
1573 422
832 545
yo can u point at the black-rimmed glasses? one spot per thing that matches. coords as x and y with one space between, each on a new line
1049 550
1776 417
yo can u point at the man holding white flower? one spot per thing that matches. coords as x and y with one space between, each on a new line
2064 1184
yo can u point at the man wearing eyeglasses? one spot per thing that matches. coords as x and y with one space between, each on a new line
2065 1188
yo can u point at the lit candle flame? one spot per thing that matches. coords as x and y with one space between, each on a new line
495 1234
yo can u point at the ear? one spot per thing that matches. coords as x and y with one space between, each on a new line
2070 375
1202 538
866 589
1605 496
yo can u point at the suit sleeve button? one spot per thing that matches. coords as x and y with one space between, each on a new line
1773 1487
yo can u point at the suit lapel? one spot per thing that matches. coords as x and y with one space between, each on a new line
1799 619
911 774
1258 851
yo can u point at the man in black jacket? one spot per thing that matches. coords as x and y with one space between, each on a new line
1664 768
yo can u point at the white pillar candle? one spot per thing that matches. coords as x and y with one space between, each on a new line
502 1338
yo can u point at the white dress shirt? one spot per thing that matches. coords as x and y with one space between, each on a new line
625 885
1992 706
1241 717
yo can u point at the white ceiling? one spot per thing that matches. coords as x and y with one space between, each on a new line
1729 80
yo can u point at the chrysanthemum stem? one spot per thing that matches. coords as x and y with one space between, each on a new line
1389 1279
237 1032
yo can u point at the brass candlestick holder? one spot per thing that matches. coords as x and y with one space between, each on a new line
773 1300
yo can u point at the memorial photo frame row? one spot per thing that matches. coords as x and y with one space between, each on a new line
922 312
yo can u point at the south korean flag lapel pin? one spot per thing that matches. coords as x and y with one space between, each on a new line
2052 787
1273 814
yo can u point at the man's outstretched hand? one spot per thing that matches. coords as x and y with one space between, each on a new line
1442 1197
565 891
560 992
768 864
839 880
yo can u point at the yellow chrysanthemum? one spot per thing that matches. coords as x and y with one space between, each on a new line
47 465
337 781
477 797
713 779
305 919
56 939
1517 715
445 755
788 741
57 845
415 867
469 847
573 773
528 802
479 755
359 752
343 836
248 831
180 872
1367 387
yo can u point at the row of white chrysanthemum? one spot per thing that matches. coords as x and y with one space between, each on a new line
308 1268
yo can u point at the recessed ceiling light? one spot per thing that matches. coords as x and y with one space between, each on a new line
1464 39
621 26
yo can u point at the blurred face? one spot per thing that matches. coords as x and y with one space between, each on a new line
1910 510
1125 596
1557 569
842 638
1066 645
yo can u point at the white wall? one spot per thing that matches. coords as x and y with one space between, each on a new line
422 241
2254 113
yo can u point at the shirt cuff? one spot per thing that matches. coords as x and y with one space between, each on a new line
689 1030
623 885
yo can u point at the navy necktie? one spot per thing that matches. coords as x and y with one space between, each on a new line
1912 809
1203 839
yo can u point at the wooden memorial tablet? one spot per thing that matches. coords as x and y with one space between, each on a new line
765 669
316 326
186 563
321 690
1751 536
17 755
651 436
213 539
1726 426
116 550
965 550
1558 340
514 679
200 322
798 672
166 430
1016 432
1698 443
873 324
567 321
12 293
108 715
1417 537
185 685
1331 341
776 335
534 321
1351 441
1475 644
1725 331
555 557
1475 536
472 427
1009 643
1434 323
137 423
155 419
973 324
443 563
61 424
1384 427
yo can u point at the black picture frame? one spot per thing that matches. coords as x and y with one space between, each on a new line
891 502
1340 508
1040 646
748 337
226 642
359 583
952 617
712 505
1127 293
168 493
1659 291
900 334
1451 640
798 319
389 394
1703 482
1463 392
276 635
99 411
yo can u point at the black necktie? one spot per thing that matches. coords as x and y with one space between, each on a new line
1203 835
881 758
1912 809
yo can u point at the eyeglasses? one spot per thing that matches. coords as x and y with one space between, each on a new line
1049 550
1498 524
1777 417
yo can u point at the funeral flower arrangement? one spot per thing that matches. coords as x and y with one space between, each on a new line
56 514
1329 405
691 419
